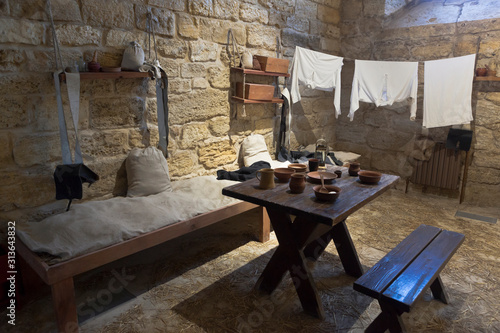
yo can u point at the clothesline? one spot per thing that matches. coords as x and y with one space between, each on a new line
421 62
447 92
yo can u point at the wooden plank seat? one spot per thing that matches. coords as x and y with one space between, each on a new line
399 279
60 276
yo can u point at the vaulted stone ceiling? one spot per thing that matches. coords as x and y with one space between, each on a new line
425 12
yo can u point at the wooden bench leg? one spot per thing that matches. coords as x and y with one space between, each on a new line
264 225
388 319
438 290
377 325
32 285
63 298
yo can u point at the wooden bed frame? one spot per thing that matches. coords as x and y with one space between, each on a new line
60 275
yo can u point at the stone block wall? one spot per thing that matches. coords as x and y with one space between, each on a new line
385 136
191 45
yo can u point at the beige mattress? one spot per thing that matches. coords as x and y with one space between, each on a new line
92 225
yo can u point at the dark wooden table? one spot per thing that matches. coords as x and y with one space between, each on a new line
315 224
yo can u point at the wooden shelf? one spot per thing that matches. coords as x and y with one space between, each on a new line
108 75
486 78
244 73
254 101
256 72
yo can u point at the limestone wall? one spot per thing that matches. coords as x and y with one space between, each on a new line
191 44
385 136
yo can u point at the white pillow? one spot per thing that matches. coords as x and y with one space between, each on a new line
253 149
147 172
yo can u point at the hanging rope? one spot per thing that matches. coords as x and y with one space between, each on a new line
151 33
232 55
57 52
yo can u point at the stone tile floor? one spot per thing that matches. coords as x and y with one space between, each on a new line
203 282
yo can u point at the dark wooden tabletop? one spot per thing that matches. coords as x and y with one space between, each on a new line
353 196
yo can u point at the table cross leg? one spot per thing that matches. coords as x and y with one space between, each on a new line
274 271
293 237
314 250
346 250
305 286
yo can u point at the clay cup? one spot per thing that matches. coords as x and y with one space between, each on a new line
266 178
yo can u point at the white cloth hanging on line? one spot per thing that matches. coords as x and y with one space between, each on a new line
316 70
63 132
448 91
383 83
73 86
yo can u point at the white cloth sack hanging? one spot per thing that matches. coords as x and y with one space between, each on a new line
383 83
73 86
69 177
133 57
448 91
316 70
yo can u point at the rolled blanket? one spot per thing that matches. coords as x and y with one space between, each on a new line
244 173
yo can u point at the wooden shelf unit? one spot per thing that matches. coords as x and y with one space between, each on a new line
245 72
486 78
254 101
256 72
108 75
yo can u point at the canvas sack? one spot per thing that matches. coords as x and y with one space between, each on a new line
133 57
253 149
147 172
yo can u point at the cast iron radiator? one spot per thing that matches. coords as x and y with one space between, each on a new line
441 170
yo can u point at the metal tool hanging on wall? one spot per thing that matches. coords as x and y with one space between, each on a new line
283 110
153 66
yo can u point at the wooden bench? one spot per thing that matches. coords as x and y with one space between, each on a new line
399 279
60 275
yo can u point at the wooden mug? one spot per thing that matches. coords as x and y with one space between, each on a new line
266 178
354 168
313 164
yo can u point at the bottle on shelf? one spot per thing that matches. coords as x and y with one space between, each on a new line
82 65
93 65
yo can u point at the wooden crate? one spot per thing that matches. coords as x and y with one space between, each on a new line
261 92
273 65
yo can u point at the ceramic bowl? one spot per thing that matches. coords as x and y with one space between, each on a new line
332 195
314 177
298 167
369 177
283 174
481 71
